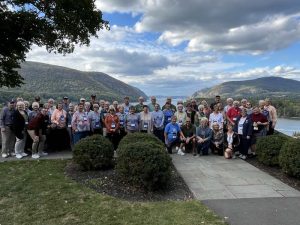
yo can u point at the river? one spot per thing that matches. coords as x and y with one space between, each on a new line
288 126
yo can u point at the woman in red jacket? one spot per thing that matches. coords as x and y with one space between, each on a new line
35 131
112 126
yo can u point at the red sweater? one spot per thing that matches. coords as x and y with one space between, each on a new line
233 113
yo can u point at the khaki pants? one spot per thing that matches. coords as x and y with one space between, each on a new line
20 144
8 140
37 146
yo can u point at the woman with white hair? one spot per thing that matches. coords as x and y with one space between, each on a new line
229 105
20 123
95 119
199 115
180 115
51 106
217 139
203 137
35 110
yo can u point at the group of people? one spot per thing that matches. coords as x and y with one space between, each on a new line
191 126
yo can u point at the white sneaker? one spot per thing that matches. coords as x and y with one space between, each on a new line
43 153
24 154
234 157
177 148
35 156
180 152
13 154
19 156
4 155
243 157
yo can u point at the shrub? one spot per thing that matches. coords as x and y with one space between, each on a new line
268 149
95 152
289 158
145 164
140 137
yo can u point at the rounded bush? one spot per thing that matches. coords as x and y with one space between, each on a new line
268 149
93 153
140 137
289 158
145 164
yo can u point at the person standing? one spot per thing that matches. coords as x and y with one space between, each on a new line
132 121
145 120
7 135
157 117
66 104
112 126
95 120
273 116
139 107
169 102
151 105
20 123
126 105
80 123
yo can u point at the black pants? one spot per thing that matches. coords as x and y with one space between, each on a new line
217 150
114 139
203 147
159 133
271 129
244 145
171 144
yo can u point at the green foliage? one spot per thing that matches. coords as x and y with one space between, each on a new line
289 158
57 25
144 163
268 149
95 152
141 138
50 81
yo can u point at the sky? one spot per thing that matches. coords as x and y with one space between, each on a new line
176 47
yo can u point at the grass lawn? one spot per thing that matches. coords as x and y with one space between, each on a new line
38 192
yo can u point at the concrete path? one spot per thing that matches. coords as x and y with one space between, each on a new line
52 155
239 192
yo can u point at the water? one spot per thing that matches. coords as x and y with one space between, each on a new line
288 126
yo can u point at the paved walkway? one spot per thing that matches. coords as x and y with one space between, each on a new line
238 191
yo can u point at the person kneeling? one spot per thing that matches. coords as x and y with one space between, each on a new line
189 132
172 134
216 145
231 142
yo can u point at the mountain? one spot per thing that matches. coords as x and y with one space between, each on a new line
261 87
49 81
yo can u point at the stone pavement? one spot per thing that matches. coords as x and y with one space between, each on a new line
239 192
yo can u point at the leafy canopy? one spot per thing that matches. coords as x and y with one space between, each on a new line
56 24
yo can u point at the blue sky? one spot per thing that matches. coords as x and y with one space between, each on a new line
173 47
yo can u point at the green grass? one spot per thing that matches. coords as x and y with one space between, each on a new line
38 192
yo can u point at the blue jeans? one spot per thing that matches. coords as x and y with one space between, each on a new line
203 147
79 135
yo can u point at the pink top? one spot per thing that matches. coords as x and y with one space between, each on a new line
59 117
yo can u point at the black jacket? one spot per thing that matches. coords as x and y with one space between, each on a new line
19 124
247 126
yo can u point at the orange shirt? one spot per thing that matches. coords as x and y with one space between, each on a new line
112 123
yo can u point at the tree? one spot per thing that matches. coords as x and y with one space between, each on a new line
58 25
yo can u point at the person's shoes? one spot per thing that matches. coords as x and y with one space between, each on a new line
180 152
234 157
237 153
243 157
24 154
194 154
13 154
177 148
19 156
4 155
43 153
35 156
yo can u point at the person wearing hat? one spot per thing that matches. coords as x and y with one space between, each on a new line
7 135
66 104
112 126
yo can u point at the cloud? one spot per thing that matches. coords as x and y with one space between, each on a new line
231 26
